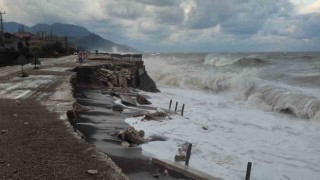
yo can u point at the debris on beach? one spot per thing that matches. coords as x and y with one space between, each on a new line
127 100
140 113
204 127
132 136
182 152
117 107
142 100
157 116
125 144
92 172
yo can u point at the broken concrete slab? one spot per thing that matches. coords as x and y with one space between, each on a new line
132 136
127 100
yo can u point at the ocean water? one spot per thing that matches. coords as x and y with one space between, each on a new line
262 108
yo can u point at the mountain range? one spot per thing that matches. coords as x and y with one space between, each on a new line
78 36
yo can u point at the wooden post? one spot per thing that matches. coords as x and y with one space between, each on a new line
170 104
182 110
248 170
175 110
188 154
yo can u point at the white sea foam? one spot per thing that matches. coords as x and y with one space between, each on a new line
244 85
242 112
279 146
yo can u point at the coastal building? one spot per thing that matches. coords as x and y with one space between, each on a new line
11 41
36 41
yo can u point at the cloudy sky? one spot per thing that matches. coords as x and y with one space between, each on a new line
184 25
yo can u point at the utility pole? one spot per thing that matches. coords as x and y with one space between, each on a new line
1 21
1 29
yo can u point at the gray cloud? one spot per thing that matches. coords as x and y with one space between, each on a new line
170 23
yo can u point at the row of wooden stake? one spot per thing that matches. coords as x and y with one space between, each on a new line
190 145
189 155
176 108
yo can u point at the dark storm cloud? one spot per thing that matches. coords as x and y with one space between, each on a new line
177 22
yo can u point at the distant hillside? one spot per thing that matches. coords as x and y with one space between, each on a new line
56 28
96 42
78 35
12 27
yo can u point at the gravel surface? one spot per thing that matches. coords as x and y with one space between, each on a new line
36 144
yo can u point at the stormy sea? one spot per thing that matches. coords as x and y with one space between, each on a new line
262 108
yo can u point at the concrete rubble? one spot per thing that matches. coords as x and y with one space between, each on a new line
117 76
156 116
182 152
132 136
142 100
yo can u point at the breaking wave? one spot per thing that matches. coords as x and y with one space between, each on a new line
244 85
225 60
279 99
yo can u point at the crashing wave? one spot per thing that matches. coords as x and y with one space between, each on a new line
282 100
245 86
250 62
226 60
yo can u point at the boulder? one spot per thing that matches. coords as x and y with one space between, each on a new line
142 100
